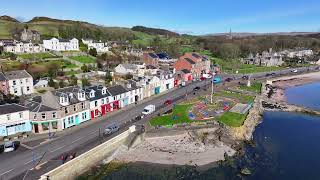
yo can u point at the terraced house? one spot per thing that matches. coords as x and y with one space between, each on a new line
196 63
14 120
119 96
19 82
72 104
100 101
44 119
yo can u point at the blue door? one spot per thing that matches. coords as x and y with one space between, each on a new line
157 90
77 120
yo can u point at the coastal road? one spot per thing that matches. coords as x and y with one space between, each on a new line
15 163
86 136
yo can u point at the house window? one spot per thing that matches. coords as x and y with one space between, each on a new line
35 116
54 115
8 117
43 115
96 103
28 88
15 90
114 98
45 126
54 125
20 115
66 110
102 101
74 108
14 83
82 105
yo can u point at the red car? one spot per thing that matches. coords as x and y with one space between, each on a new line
168 102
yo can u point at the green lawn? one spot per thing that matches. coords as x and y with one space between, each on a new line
241 97
181 111
36 55
232 119
61 63
258 69
84 59
255 87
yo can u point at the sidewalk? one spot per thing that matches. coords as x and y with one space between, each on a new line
35 140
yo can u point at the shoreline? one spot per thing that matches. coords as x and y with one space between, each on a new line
209 155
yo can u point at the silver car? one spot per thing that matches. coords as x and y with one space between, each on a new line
111 129
9 146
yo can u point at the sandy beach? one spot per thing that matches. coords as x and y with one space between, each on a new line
282 83
182 149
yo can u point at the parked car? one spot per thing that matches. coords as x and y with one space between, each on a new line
216 80
294 71
149 109
168 102
245 77
197 88
270 74
111 129
229 79
9 146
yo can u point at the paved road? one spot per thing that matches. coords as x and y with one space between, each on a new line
13 165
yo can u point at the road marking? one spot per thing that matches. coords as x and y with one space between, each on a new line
6 172
32 160
57 149
76 140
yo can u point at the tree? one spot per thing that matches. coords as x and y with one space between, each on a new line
108 78
61 84
84 68
73 80
51 83
85 82
93 52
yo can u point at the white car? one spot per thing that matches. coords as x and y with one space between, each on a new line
9 146
294 71
149 109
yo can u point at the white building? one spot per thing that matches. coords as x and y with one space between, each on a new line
166 81
99 46
20 82
23 47
55 44
14 119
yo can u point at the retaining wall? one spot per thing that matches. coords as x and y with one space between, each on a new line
84 162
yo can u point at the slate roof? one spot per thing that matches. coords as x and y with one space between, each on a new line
116 90
163 56
35 105
185 71
11 108
196 55
133 85
98 93
2 77
64 40
153 55
17 74
130 66
67 91
189 60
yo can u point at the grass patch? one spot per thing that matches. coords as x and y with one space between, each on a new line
36 56
84 59
241 97
232 119
255 87
181 111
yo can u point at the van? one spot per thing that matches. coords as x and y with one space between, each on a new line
149 109
111 129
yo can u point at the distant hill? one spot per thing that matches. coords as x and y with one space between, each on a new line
154 31
50 27
245 34
8 18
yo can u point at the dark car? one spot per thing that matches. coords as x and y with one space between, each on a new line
229 79
245 77
196 88
168 102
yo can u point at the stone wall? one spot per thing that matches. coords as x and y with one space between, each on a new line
84 162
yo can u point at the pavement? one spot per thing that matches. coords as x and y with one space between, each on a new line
44 154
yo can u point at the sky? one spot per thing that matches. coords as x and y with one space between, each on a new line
196 17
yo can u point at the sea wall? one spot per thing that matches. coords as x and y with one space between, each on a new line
84 162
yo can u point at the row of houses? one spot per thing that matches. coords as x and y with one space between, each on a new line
271 58
63 108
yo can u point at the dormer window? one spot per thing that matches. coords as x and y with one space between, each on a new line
91 94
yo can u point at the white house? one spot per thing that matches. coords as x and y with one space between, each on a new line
124 69
166 81
14 119
119 96
55 44
99 46
20 82
135 92
23 47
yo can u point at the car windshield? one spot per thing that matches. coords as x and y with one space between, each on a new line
145 110
8 145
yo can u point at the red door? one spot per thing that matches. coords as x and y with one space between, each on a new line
103 110
92 115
